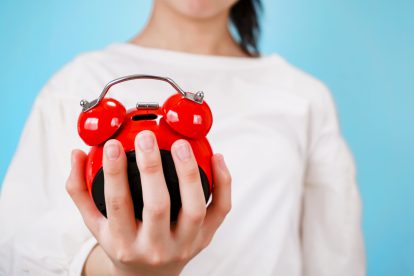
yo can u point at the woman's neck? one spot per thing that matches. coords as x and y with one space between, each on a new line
170 30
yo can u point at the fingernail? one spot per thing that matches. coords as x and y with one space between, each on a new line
183 150
112 151
146 141
221 162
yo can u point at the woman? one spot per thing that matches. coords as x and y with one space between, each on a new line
295 204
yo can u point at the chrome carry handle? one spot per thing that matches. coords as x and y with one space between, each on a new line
195 97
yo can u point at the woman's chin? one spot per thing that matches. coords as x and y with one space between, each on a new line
199 9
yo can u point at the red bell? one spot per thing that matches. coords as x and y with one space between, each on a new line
187 117
98 124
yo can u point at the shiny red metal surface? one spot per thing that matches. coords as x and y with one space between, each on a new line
101 122
186 117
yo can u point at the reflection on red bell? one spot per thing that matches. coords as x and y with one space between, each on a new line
99 123
186 117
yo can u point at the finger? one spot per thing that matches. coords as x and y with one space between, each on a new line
119 206
77 189
156 212
193 208
221 197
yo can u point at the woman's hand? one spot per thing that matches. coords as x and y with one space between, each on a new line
153 246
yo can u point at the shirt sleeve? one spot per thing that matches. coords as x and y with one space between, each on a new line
41 232
331 223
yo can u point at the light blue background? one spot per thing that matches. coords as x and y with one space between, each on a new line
363 50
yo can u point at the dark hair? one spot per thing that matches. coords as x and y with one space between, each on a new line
244 16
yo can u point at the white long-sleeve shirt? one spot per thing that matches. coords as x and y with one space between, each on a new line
296 208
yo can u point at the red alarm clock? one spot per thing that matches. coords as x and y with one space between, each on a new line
183 115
